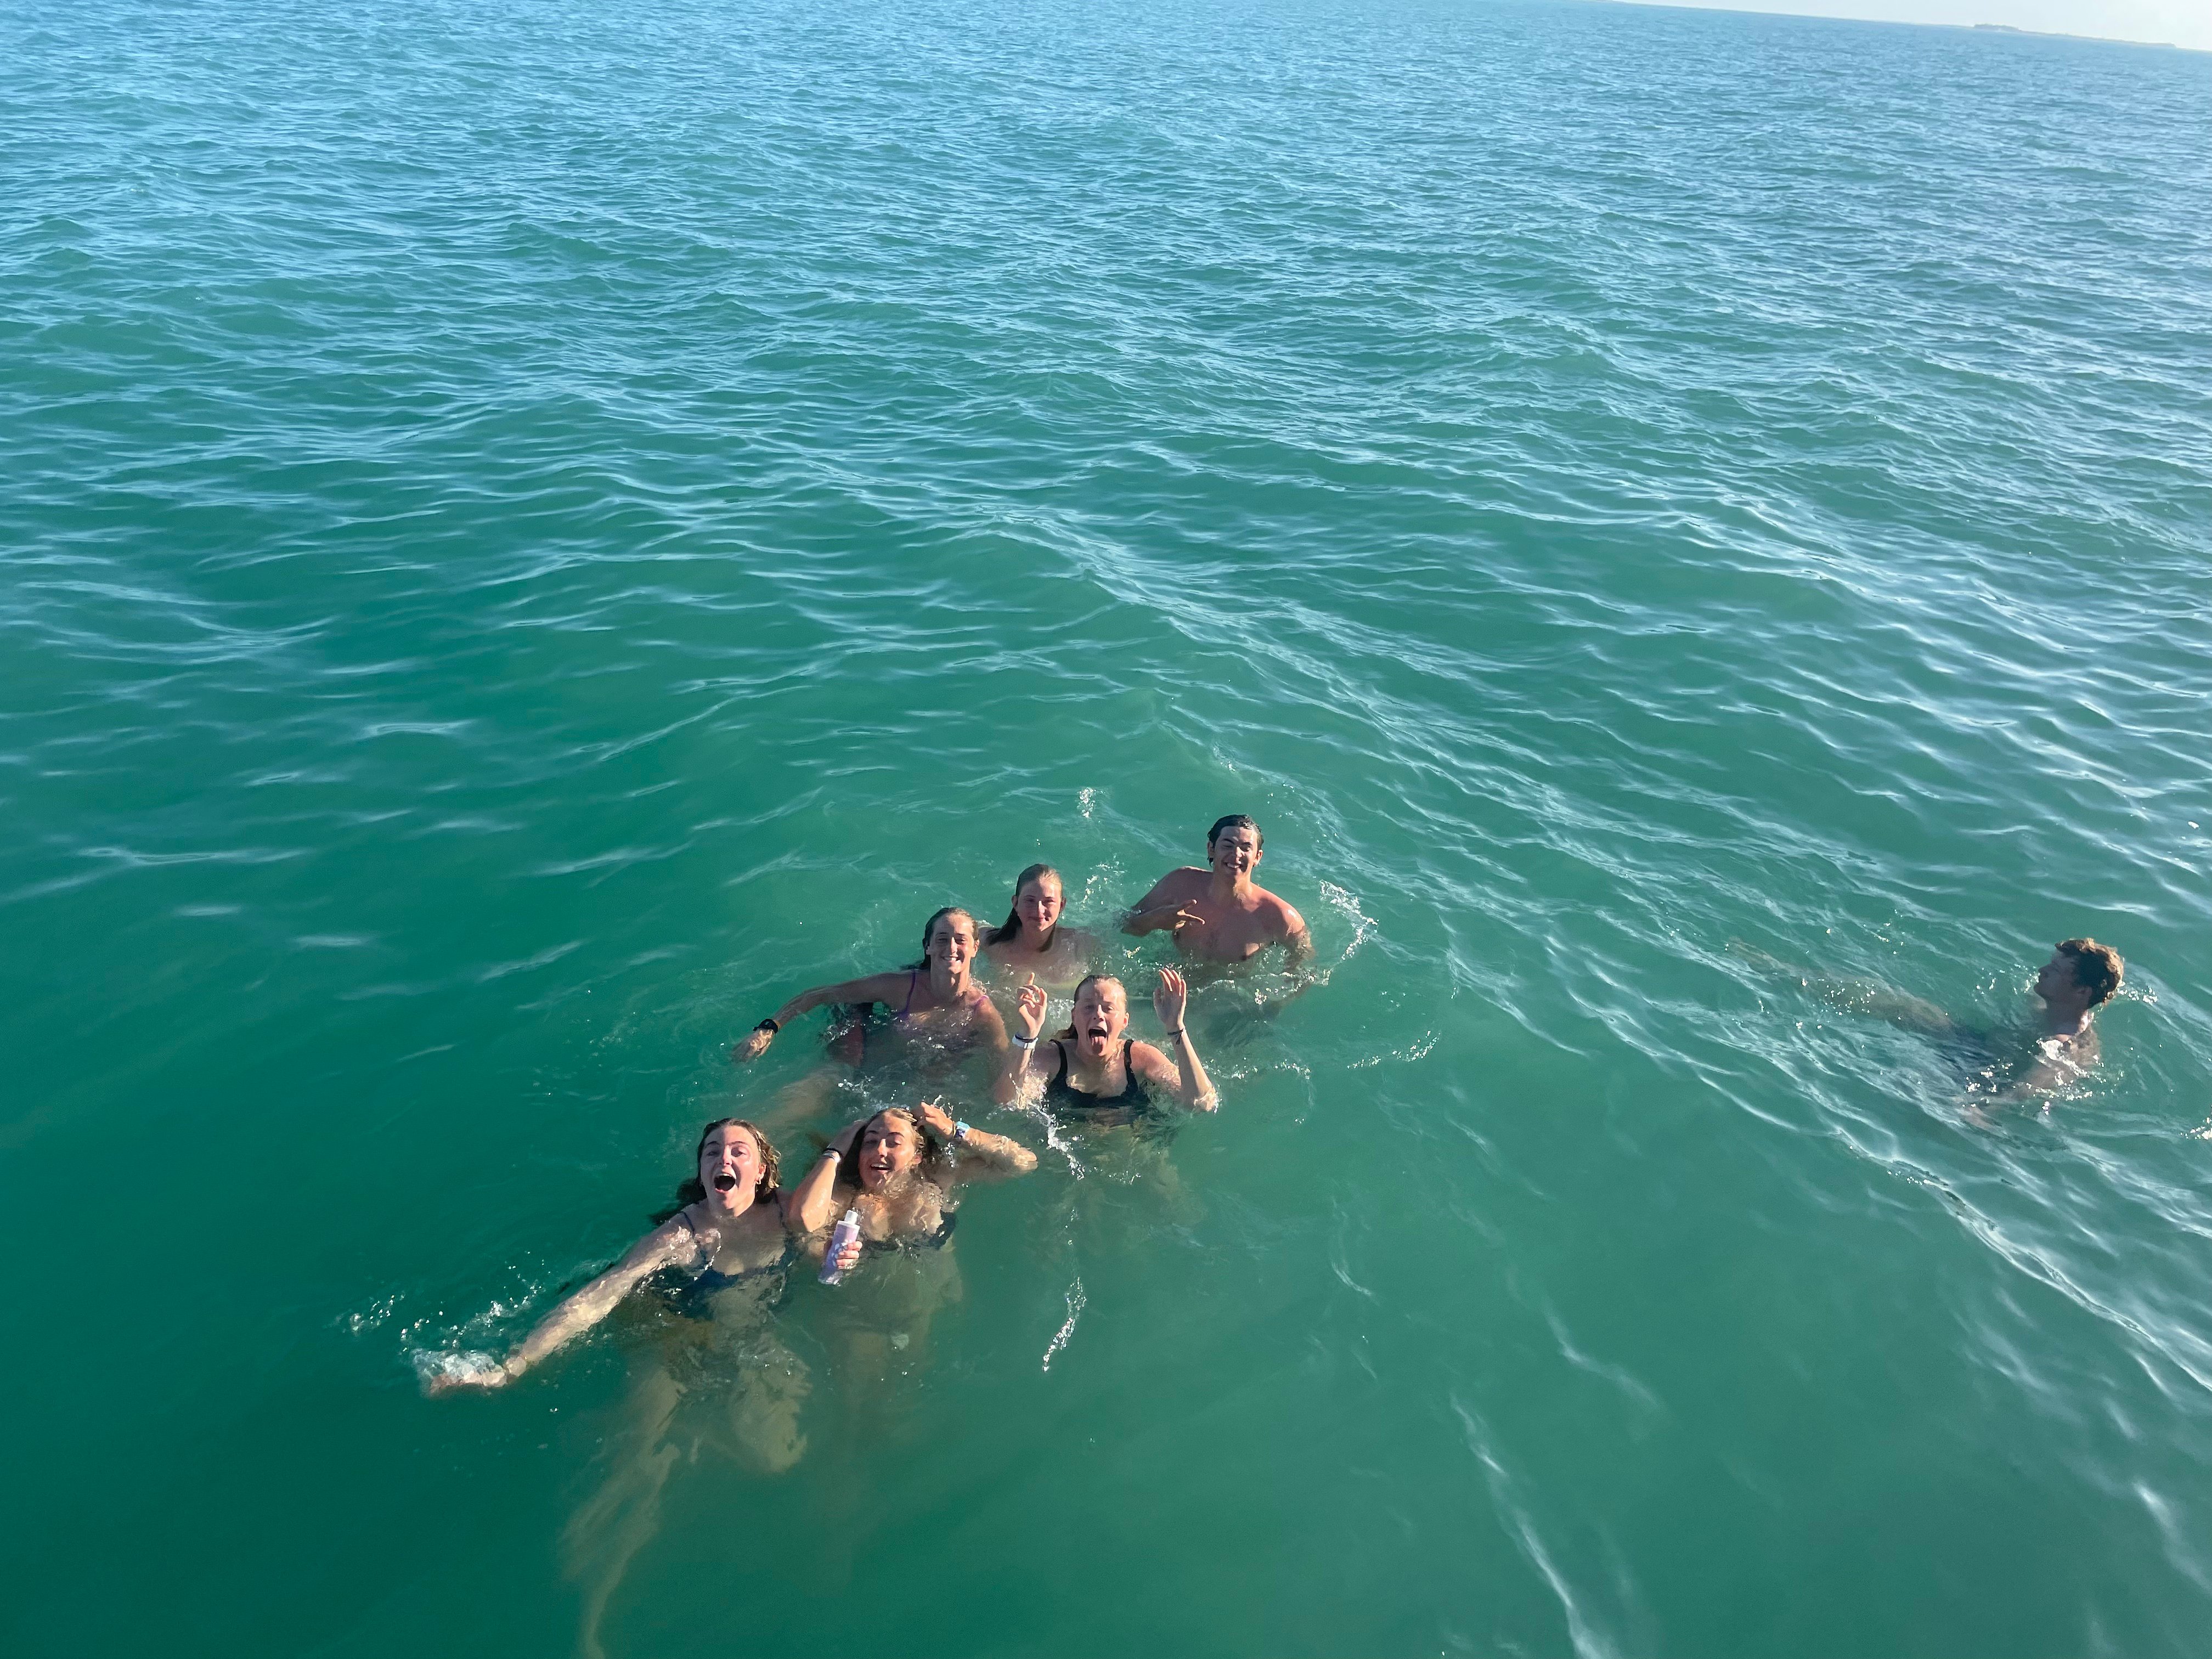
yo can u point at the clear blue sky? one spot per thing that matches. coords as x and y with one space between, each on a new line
2176 23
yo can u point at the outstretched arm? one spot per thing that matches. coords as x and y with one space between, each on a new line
876 987
978 1156
668 1243
1165 906
1869 997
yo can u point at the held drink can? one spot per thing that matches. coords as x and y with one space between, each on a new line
840 1235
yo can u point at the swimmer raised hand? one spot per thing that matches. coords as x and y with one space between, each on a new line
1029 1010
1169 1000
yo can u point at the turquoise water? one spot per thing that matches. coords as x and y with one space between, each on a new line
534 531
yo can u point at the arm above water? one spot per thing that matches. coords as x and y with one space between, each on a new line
874 987
1166 905
665 1245
813 1201
1184 1074
1017 1083
979 1157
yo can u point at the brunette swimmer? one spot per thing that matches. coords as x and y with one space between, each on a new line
1034 941
2079 978
1092 1072
898 1170
1219 913
732 1229
936 999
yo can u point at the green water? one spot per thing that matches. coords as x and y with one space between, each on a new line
533 531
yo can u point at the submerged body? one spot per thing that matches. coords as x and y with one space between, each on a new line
2080 977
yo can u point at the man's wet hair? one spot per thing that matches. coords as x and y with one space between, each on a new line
2097 968
1236 820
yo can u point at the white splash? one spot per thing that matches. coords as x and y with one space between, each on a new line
1067 1329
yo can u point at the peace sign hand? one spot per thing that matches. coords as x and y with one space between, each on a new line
935 1119
1169 1000
1029 1009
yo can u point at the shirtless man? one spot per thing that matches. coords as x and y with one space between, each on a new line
1220 914
2080 977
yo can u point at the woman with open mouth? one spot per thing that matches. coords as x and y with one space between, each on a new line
1034 941
900 1170
720 1380
1092 1074
729 1230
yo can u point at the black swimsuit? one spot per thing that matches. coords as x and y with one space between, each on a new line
693 1297
1099 1111
936 1239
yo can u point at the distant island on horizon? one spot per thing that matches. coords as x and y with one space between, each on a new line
2055 35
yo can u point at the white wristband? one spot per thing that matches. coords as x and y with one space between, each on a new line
1025 1043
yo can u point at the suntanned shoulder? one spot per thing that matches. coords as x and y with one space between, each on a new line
1187 882
1283 916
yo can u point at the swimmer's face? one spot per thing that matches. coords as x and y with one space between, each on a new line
1039 904
953 942
890 1146
2058 982
1235 851
1102 1014
730 1165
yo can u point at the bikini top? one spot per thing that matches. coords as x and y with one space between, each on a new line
907 1017
935 1239
1135 1100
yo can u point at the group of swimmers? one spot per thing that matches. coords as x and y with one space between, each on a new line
898 1168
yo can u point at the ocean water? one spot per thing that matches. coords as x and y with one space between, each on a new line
532 531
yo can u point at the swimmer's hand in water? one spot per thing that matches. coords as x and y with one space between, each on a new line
935 1119
1171 1000
754 1046
468 1371
1029 1009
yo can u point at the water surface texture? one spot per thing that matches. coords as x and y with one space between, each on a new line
534 531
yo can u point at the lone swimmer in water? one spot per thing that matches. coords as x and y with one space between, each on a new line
731 1230
2079 979
1219 913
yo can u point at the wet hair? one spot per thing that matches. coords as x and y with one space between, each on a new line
935 1165
692 1190
930 927
1012 928
2097 968
1234 821
1088 980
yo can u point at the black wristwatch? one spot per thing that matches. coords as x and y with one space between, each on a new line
770 1026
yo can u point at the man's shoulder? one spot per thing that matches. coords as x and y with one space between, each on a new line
1184 878
1281 913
